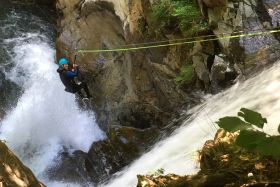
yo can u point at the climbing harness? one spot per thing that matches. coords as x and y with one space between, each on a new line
192 41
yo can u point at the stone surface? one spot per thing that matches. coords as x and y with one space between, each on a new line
9 94
246 16
13 173
123 145
201 70
70 167
214 3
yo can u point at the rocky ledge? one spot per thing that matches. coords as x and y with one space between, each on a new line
12 171
222 164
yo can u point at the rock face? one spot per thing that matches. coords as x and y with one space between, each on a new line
240 56
129 88
13 173
236 17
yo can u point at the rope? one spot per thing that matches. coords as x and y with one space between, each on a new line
82 51
183 39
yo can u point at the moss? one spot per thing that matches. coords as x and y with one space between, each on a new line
186 76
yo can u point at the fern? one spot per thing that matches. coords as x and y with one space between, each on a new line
182 14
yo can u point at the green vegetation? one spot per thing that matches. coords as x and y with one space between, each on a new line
183 15
252 136
186 75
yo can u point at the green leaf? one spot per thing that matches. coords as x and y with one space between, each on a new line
252 117
270 147
232 124
249 139
279 128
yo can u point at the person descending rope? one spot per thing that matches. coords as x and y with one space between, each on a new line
67 76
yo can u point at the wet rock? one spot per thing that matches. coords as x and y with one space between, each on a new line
13 173
70 167
9 94
2 114
123 145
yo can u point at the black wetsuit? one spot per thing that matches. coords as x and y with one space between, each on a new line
67 78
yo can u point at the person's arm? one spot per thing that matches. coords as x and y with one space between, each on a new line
73 73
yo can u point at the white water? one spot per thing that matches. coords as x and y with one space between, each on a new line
46 118
177 153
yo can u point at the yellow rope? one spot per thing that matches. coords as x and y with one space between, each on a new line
82 51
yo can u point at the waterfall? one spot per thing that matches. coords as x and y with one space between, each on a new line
46 120
177 154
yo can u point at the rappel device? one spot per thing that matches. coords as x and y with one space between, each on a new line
76 79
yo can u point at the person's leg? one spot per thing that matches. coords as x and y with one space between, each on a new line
80 94
77 89
85 87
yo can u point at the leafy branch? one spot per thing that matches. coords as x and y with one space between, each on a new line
252 136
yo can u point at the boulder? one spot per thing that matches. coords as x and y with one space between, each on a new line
123 145
201 70
218 70
70 167
222 73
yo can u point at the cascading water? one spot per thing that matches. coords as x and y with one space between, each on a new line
177 153
46 119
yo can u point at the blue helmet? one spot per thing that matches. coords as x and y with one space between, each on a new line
63 61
